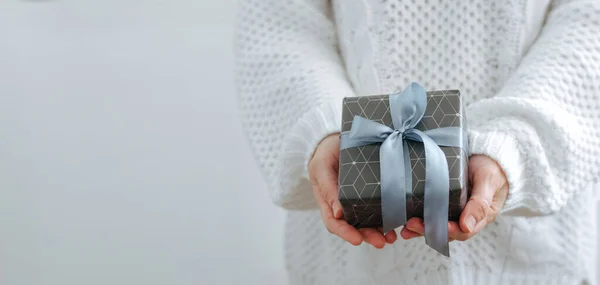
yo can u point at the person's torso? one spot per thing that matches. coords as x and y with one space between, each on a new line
472 46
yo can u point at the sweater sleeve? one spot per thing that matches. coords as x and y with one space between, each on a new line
290 82
543 127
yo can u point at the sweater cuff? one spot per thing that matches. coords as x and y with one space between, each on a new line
317 125
301 142
503 148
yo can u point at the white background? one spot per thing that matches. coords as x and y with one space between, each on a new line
109 170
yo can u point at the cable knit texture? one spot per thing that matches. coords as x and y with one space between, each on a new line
529 71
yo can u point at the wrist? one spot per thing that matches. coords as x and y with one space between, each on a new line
503 149
317 126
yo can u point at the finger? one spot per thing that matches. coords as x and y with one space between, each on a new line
323 207
343 230
391 237
335 226
478 206
456 233
415 225
326 181
338 213
373 237
408 234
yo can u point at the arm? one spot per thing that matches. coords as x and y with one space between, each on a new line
291 82
543 127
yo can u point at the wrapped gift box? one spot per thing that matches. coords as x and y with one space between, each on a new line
359 171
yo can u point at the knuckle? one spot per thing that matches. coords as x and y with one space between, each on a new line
466 237
491 218
327 196
330 197
480 205
339 229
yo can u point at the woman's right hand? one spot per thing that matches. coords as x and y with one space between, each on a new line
323 171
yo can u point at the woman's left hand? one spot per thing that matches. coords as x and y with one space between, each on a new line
490 189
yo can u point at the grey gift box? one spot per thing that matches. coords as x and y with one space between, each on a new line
359 188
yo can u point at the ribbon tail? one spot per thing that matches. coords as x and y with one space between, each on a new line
408 174
393 172
436 200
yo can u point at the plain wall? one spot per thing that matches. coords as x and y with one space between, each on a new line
122 159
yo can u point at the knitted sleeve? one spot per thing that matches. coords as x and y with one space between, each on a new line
543 127
290 83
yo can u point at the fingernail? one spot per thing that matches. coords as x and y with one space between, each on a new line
337 211
470 223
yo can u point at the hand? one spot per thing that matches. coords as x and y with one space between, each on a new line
490 189
323 171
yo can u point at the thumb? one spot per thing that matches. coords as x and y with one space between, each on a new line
324 167
479 204
328 185
338 213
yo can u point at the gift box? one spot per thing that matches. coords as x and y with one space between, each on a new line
360 191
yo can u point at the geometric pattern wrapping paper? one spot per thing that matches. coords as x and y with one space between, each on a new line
359 188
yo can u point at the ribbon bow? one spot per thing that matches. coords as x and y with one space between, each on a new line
407 110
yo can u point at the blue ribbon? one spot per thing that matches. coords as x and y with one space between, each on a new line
407 110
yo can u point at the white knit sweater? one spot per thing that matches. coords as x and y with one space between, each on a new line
530 73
